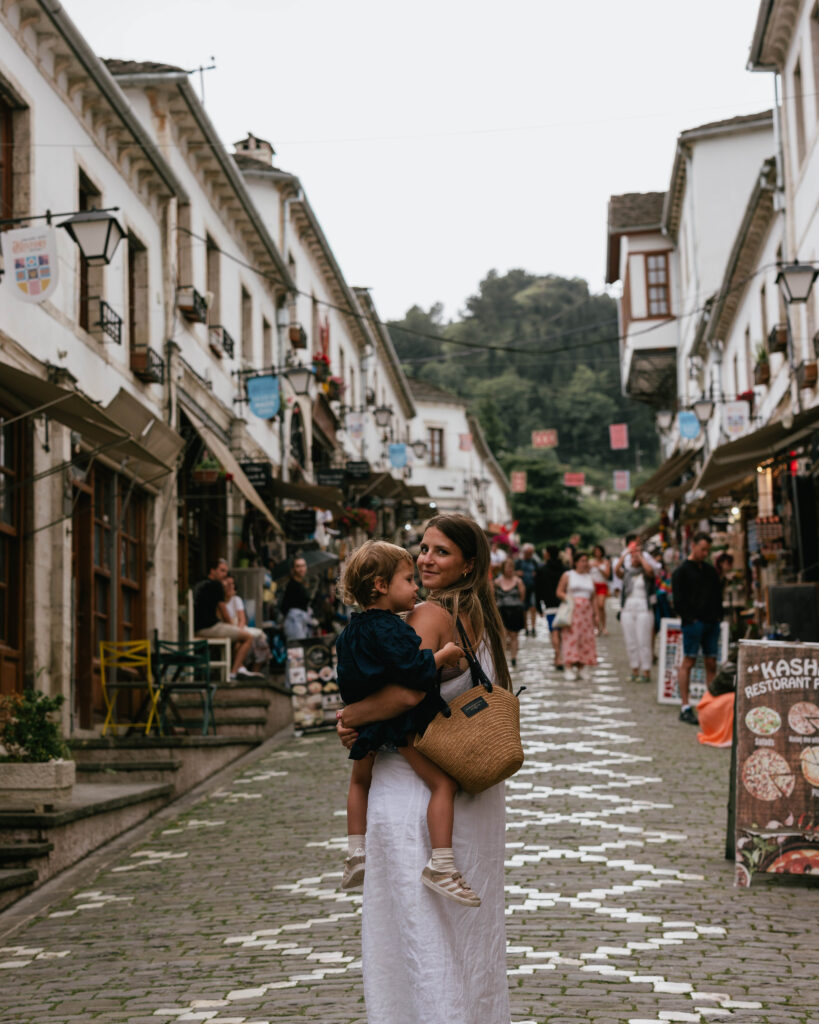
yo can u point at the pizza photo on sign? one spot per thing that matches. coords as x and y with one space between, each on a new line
763 721
809 760
803 718
794 857
767 775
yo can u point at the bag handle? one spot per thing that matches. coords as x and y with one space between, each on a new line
479 677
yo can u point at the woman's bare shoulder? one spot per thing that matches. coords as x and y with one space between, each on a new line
428 614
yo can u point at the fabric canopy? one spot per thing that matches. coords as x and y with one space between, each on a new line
228 461
311 494
667 474
734 461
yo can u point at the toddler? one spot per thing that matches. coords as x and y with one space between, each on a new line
378 648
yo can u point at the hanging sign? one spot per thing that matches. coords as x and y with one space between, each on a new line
517 479
330 477
30 261
354 425
398 455
622 480
544 439
465 442
735 418
618 436
777 759
357 469
688 424
258 473
574 479
263 395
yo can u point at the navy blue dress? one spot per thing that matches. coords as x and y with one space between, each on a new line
377 649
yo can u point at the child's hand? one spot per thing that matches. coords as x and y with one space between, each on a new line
450 654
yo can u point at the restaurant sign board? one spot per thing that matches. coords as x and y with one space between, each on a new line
311 675
777 750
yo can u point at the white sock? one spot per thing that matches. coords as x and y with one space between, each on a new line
355 844
442 859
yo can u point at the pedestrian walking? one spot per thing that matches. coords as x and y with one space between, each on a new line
600 568
295 606
637 569
211 618
510 594
577 641
698 602
526 567
376 649
547 578
422 962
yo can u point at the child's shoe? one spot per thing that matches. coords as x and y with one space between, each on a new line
450 884
353 877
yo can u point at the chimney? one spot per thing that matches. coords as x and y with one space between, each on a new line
258 149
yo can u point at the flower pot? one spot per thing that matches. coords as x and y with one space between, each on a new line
806 374
298 337
35 784
762 373
205 476
333 391
322 371
778 339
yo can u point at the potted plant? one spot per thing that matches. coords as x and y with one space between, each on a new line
747 396
206 470
35 768
321 366
334 389
806 373
762 370
778 338
298 336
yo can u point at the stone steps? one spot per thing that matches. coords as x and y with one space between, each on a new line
14 883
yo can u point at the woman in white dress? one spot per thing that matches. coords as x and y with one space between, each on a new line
427 960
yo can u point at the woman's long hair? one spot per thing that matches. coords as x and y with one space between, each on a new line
473 595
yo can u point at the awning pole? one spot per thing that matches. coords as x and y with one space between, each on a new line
37 411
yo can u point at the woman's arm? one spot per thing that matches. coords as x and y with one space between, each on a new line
606 570
562 586
618 569
521 589
241 617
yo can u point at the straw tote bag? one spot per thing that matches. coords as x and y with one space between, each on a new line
476 739
563 619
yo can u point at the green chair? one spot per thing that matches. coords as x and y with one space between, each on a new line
184 667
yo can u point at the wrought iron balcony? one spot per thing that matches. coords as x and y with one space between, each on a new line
148 365
220 341
110 322
778 338
191 304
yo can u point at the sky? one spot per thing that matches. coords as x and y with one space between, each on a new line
439 139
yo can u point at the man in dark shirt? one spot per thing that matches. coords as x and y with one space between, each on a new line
211 618
526 567
547 577
698 602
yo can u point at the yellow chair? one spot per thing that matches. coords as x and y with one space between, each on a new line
126 665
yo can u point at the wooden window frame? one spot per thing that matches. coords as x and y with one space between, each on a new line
6 159
435 437
11 628
664 286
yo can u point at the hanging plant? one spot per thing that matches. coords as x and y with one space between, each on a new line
363 518
207 470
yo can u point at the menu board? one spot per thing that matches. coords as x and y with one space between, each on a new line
671 655
311 675
777 749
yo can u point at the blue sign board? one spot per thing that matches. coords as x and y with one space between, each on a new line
688 424
263 395
398 455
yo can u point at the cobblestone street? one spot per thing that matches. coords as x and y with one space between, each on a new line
621 907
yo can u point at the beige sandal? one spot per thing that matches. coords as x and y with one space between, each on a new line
450 884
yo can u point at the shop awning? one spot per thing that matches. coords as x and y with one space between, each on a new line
228 461
152 434
666 475
382 485
418 492
734 461
106 432
330 498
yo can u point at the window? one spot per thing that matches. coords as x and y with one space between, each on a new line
138 330
11 556
6 160
782 308
267 345
814 45
15 154
91 278
213 280
247 326
184 246
799 110
749 360
435 441
657 285
763 311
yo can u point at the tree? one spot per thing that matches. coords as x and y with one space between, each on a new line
547 512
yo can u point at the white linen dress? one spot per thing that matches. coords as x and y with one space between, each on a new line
427 959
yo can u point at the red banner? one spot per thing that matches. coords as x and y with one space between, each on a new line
574 479
518 481
544 438
622 480
465 442
618 436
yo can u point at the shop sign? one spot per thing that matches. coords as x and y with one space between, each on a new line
670 659
407 512
398 455
263 395
517 480
258 473
544 439
618 436
688 424
622 480
330 477
358 469
354 425
311 675
735 418
777 759
30 261
574 479
299 523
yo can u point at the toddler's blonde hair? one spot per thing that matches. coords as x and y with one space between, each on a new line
373 560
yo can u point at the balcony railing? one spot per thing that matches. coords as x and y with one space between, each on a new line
778 339
220 341
110 322
191 304
148 365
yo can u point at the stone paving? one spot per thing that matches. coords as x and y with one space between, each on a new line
620 906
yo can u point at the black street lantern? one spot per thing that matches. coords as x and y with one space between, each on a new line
419 449
796 280
97 233
383 415
300 378
703 408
